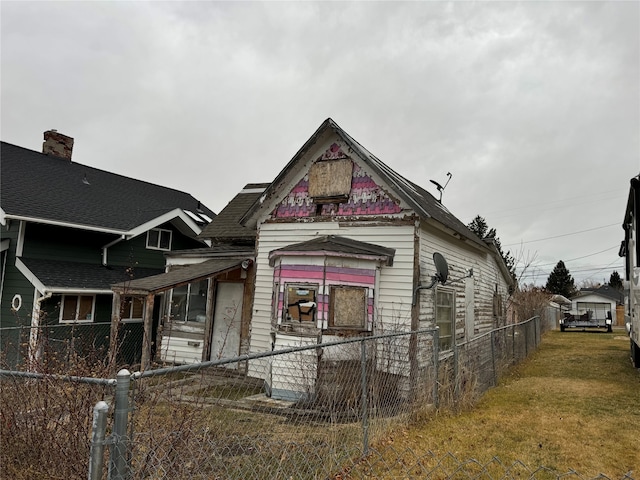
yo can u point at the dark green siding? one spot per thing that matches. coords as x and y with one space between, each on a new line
14 283
65 244
134 252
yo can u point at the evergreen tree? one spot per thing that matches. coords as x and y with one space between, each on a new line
615 281
560 281
480 227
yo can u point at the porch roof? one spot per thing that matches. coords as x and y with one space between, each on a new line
57 276
179 275
336 245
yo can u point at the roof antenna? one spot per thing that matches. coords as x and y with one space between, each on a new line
440 187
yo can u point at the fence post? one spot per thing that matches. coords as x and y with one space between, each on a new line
118 461
456 389
365 407
98 432
526 339
493 357
436 364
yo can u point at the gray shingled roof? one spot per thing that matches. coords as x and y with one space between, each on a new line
425 204
56 275
606 291
337 244
226 225
179 275
39 186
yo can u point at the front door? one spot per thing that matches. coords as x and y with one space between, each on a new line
227 318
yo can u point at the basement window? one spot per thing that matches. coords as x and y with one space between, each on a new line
159 239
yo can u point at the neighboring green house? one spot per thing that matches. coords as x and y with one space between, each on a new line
70 231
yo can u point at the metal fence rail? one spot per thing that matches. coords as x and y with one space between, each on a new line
313 411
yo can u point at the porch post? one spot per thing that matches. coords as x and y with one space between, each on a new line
145 362
115 325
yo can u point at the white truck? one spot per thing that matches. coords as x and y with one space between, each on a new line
630 249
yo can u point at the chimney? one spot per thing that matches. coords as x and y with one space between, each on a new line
57 144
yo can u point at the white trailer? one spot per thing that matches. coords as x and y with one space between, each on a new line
630 249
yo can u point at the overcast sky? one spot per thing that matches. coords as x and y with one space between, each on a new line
533 107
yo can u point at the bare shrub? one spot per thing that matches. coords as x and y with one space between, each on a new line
46 424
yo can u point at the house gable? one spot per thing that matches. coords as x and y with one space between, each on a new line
336 185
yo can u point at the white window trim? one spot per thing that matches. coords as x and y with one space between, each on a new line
93 308
129 318
452 292
160 231
285 301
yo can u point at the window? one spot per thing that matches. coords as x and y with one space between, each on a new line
347 307
132 308
189 302
301 303
445 317
77 308
159 239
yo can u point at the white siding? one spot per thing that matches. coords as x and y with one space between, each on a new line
294 374
177 350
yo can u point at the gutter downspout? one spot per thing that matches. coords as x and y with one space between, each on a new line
109 245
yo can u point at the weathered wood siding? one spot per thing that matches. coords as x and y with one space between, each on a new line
487 280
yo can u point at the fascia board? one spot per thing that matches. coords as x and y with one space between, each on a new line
77 226
30 276
171 215
3 217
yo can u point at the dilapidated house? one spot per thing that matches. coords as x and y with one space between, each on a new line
344 247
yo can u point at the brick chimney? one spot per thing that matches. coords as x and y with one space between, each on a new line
57 144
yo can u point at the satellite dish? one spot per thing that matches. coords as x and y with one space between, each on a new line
442 269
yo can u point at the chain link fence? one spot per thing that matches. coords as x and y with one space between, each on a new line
56 348
314 411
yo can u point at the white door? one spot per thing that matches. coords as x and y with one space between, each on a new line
227 318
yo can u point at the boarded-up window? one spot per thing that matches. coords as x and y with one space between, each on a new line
301 303
330 181
347 307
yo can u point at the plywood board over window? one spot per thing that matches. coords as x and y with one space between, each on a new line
347 307
330 180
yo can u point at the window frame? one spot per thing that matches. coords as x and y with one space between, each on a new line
188 300
130 319
77 308
158 245
332 307
286 318
451 321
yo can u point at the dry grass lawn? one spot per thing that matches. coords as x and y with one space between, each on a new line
574 405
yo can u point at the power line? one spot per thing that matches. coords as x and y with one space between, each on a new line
562 235
572 259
